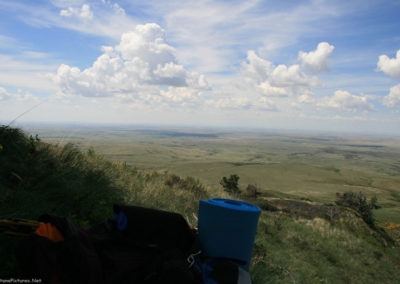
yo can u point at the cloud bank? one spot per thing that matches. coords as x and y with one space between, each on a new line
277 84
142 66
344 100
142 69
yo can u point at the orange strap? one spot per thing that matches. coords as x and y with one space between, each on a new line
49 231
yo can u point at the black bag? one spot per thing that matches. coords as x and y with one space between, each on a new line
150 247
73 260
157 228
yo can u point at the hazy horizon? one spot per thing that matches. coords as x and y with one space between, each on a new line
39 126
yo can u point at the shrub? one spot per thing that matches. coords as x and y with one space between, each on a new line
358 201
231 184
173 180
189 183
266 205
253 191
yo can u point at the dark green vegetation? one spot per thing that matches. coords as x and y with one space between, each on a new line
231 184
358 202
37 177
303 236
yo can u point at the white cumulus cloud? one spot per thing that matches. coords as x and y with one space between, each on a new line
4 95
271 91
390 66
316 61
345 101
142 60
393 99
19 95
182 96
306 98
257 68
276 81
291 76
272 87
83 12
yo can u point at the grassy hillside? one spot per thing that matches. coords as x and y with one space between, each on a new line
310 165
37 178
298 241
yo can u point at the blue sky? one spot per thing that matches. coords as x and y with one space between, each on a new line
312 65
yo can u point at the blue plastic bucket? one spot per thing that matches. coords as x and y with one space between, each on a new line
227 229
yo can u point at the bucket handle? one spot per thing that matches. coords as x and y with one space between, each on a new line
233 202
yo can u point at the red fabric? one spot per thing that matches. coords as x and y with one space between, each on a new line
49 231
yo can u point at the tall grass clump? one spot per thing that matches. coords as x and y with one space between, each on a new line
317 250
36 177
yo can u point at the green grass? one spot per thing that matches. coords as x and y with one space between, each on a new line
317 251
310 166
302 237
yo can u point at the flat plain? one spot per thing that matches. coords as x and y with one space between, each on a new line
311 166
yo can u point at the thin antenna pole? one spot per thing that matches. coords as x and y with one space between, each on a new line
25 112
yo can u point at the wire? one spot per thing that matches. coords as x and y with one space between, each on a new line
25 112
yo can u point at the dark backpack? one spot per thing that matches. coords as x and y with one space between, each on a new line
73 260
145 245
